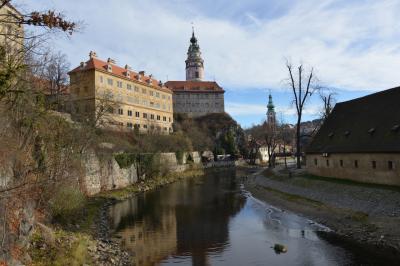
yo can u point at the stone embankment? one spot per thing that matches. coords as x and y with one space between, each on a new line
102 174
362 213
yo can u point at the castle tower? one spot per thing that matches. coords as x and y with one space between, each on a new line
194 62
271 115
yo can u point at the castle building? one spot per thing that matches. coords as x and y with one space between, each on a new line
194 96
360 140
11 32
119 98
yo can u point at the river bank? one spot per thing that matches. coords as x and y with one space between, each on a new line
363 215
84 239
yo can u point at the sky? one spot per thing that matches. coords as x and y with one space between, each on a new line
353 45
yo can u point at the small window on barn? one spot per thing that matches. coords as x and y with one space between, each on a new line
341 163
355 163
373 164
331 135
315 162
327 163
390 165
395 128
346 133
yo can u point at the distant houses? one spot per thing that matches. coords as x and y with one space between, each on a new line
360 140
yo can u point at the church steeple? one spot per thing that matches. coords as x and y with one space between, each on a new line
194 62
271 107
271 116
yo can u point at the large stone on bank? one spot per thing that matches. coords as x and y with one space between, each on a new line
279 248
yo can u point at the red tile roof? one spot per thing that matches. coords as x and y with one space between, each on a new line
118 71
194 86
44 86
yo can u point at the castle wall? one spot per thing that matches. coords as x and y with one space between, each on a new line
197 104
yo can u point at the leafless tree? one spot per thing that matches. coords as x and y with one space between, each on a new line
264 134
303 85
271 135
254 150
285 137
56 74
328 98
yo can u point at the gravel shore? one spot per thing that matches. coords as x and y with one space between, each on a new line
365 214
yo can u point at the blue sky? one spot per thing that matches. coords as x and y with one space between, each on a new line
354 45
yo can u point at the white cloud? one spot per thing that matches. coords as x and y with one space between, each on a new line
245 109
352 44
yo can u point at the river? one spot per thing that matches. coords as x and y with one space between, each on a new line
213 220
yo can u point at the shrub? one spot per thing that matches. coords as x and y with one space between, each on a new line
125 160
66 202
179 156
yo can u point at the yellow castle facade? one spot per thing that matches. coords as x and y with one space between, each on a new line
119 98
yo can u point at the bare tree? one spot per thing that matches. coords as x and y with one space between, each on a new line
254 150
303 85
328 98
56 74
271 140
285 137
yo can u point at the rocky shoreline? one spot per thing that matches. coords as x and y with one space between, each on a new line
373 230
87 239
108 250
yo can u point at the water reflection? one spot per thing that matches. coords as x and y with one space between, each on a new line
195 212
211 221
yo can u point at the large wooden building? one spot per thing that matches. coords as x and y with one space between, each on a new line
360 140
120 98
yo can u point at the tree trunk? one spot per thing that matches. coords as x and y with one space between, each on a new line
298 151
284 154
269 157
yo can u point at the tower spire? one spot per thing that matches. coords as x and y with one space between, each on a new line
271 116
194 62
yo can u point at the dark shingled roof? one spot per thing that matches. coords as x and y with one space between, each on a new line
369 124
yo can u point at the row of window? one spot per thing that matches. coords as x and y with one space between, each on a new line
197 104
137 100
198 95
373 164
188 110
120 84
120 111
138 126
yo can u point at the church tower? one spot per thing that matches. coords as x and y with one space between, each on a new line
271 116
194 62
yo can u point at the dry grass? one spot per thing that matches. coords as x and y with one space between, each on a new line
69 249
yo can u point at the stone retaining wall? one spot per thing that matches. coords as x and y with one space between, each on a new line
103 173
